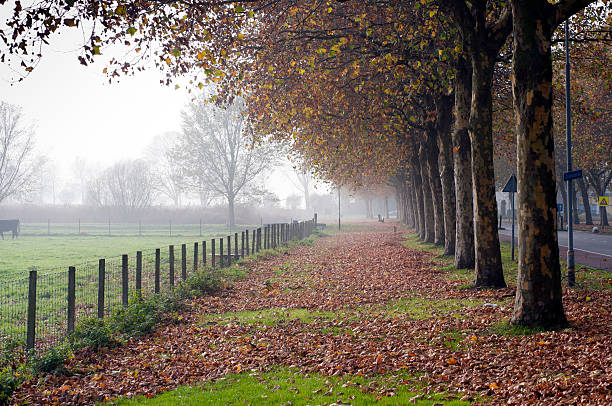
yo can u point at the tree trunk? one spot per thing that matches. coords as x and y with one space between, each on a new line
575 204
230 212
428 210
462 154
433 172
445 160
418 197
387 207
564 198
584 192
489 272
538 295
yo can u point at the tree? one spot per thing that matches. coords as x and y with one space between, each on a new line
127 185
167 172
213 150
17 163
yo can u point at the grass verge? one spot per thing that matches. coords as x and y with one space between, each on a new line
286 386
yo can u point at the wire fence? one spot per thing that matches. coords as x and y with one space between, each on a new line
43 308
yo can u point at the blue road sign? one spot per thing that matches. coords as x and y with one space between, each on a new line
510 185
572 175
559 207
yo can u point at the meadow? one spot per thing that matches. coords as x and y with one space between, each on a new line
51 253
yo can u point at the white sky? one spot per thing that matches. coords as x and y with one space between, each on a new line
76 112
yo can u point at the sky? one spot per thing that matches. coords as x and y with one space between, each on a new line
77 113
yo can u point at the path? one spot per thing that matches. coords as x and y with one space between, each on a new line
360 303
593 250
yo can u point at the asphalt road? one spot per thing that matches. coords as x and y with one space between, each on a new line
593 250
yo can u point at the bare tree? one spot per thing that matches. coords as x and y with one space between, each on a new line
169 179
304 183
127 185
17 164
215 152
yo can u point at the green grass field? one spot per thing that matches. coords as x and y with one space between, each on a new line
51 255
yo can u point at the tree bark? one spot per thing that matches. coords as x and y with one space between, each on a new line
462 154
428 211
489 271
538 295
433 172
445 161
418 196
230 212
588 217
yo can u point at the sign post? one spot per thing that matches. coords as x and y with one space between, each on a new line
511 188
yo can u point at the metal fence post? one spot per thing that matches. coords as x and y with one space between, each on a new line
195 256
247 241
157 269
212 248
101 282
236 246
171 265
124 280
71 298
139 273
184 261
204 253
31 322
221 252
229 250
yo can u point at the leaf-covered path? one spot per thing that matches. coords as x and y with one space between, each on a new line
358 303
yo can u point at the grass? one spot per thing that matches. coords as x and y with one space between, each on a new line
55 253
286 386
61 251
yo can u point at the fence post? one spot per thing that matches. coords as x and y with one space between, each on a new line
236 246
31 323
212 257
124 279
242 246
109 227
229 250
253 246
184 261
315 220
221 252
71 298
195 256
204 253
157 269
171 265
139 273
265 242
258 239
246 232
101 282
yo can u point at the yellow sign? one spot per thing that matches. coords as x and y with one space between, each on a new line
604 201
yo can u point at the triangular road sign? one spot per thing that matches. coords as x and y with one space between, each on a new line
510 185
603 201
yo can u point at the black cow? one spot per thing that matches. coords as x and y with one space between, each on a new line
9 225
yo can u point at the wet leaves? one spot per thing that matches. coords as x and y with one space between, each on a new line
358 304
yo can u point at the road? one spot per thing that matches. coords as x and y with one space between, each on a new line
593 250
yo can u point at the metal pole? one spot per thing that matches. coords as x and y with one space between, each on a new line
512 202
571 274
338 207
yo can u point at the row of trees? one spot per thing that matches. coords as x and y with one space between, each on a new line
394 89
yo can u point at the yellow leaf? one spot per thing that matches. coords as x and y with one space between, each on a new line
451 361
168 61
241 36
494 386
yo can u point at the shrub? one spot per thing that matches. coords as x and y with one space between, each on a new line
137 318
50 361
205 281
9 381
93 333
